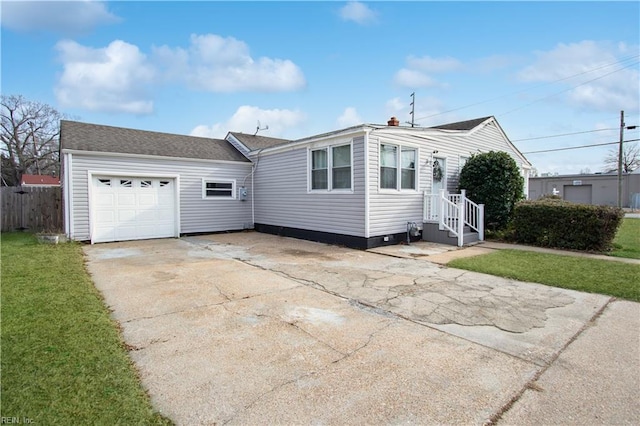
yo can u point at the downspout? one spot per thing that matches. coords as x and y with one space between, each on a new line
67 195
367 232
254 167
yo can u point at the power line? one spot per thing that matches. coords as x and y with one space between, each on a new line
580 147
563 134
620 61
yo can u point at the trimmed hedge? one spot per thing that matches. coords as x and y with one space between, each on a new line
552 222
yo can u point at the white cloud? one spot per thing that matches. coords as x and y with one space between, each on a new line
118 78
110 79
223 64
395 105
429 64
66 17
578 63
417 73
413 79
349 117
358 12
246 118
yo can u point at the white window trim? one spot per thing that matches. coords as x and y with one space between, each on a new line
213 180
398 188
330 188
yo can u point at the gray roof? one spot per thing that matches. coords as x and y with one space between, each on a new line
462 125
254 142
99 138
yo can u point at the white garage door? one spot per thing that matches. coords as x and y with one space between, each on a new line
128 208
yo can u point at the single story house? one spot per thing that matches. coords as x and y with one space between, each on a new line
360 186
39 180
597 188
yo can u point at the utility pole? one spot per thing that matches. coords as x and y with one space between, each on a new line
620 157
413 106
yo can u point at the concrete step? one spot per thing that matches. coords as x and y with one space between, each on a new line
432 233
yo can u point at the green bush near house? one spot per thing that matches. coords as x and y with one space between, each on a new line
493 179
552 222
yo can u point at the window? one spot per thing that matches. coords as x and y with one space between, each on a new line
125 183
105 182
391 174
408 180
145 184
341 167
388 166
218 189
331 168
319 175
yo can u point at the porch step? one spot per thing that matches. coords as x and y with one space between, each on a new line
432 233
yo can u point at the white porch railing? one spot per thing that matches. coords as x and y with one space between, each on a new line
453 212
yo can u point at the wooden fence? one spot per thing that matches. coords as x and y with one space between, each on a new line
34 209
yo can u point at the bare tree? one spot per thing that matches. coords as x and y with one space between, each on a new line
630 158
30 139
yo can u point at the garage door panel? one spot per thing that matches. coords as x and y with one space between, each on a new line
147 200
104 200
133 208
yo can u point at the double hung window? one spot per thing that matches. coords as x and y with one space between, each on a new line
331 168
397 167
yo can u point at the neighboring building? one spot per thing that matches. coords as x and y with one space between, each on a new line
597 189
39 180
358 186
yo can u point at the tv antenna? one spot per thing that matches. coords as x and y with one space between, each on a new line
258 128
413 106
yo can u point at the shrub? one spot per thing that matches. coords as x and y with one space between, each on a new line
493 179
557 223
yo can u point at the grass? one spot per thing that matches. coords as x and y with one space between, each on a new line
627 241
63 358
583 274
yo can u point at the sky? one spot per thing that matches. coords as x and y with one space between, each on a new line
297 69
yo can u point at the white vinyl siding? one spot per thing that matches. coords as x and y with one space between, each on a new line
196 214
283 197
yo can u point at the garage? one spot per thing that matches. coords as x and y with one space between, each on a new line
132 208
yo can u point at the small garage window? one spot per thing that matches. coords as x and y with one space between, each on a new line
218 189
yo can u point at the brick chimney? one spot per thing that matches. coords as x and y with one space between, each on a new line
393 121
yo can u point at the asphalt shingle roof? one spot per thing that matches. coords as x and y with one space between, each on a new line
462 125
94 137
254 142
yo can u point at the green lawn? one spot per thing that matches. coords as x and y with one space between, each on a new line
627 241
63 358
576 273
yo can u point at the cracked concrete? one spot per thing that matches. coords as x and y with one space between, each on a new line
250 328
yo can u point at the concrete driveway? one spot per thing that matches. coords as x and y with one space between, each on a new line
250 328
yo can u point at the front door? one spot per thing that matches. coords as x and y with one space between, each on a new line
438 182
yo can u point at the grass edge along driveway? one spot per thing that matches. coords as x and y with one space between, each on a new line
63 357
576 273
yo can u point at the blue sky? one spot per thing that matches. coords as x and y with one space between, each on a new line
303 68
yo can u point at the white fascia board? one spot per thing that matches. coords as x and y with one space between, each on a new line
151 157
